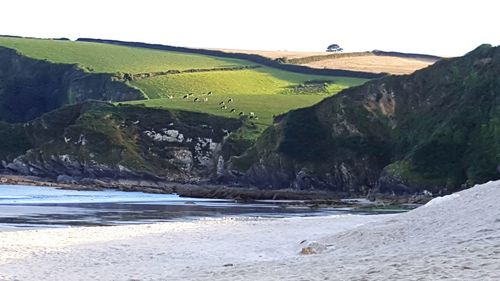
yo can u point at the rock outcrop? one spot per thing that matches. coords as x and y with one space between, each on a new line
98 140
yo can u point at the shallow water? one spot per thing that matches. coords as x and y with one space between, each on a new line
36 207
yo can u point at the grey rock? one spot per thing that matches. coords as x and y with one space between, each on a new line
65 179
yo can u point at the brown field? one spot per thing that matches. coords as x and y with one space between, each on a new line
366 62
373 63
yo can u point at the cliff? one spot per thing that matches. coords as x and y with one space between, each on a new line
97 141
437 130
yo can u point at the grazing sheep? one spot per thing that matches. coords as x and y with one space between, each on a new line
196 99
190 94
222 103
241 113
233 110
185 96
209 94
229 100
205 99
252 114
223 107
256 118
170 97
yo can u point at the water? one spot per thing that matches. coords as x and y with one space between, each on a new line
41 207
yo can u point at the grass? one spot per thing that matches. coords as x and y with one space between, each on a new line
111 58
260 81
263 106
265 91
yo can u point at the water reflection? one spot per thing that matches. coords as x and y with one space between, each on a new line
28 207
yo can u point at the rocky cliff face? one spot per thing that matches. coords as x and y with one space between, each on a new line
95 140
438 129
29 87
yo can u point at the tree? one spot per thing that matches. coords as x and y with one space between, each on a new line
334 48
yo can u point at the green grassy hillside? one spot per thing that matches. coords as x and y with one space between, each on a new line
111 58
262 80
263 106
263 90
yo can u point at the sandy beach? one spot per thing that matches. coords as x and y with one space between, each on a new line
455 237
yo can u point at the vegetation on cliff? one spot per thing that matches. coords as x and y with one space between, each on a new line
437 129
101 140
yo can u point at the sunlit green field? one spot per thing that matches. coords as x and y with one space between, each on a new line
263 90
111 58
263 106
257 91
263 80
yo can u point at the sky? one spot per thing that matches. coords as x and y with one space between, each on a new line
439 27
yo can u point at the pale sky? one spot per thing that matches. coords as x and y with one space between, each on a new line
447 28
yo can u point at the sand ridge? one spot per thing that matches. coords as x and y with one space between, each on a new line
454 237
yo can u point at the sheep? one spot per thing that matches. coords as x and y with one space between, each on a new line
252 114
209 93
196 99
233 110
241 113
205 99
222 103
185 96
223 107
170 97
229 100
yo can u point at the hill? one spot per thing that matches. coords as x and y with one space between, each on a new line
437 129
375 61
45 137
165 77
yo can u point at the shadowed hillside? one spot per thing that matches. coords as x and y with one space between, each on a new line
438 129
29 87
